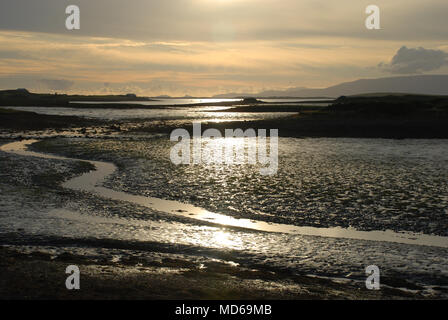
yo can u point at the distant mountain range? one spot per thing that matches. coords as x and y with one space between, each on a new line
422 84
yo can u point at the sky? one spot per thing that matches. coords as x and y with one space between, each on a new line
207 47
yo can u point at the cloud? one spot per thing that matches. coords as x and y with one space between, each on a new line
415 60
55 84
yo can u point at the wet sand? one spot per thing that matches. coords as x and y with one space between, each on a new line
38 275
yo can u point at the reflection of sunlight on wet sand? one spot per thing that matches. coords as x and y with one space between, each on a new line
215 237
224 239
218 237
219 151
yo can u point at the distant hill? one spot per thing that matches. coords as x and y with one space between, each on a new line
423 84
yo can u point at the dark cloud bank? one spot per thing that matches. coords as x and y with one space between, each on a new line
415 60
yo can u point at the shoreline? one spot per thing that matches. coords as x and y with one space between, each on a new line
389 117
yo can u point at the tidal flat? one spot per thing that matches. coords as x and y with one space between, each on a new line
338 204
